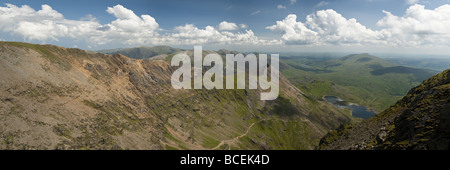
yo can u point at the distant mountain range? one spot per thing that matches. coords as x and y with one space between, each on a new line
142 52
427 62
359 78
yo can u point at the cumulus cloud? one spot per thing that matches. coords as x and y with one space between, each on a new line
336 29
227 26
243 26
325 26
293 1
190 34
128 21
48 24
294 32
417 27
281 7
38 25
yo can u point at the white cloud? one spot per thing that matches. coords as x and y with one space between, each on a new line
227 26
323 27
322 3
412 2
34 25
335 29
190 31
293 1
294 32
281 7
189 34
41 31
418 26
127 21
256 12
48 24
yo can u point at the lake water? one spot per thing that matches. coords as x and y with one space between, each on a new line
357 110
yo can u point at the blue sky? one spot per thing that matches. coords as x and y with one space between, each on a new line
249 25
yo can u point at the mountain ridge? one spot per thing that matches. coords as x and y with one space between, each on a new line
142 52
61 98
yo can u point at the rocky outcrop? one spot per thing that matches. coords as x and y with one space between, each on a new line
420 120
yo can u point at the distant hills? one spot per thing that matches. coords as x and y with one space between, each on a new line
419 74
439 64
359 78
142 52
420 120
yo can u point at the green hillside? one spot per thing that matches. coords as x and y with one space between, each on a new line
419 121
359 78
59 98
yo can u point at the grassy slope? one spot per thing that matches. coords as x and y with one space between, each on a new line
157 117
351 78
420 120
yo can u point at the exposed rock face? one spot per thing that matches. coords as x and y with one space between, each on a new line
59 98
418 121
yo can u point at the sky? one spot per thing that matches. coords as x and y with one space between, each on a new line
382 26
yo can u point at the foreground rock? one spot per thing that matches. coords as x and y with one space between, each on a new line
421 120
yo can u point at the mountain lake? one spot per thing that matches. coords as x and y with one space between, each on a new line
357 110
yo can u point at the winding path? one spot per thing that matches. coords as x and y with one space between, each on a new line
234 140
